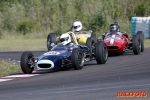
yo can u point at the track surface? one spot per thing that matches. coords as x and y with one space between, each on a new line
126 73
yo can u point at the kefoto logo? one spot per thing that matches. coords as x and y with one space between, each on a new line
131 94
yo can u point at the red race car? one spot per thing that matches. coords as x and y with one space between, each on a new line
119 42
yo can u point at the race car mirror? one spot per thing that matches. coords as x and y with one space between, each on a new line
90 31
52 44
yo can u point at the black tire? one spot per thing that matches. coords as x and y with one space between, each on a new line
50 47
141 36
101 52
51 38
89 42
27 60
136 44
95 37
77 59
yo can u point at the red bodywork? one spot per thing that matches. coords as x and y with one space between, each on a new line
115 42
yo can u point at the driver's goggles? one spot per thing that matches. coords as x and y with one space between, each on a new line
75 27
64 39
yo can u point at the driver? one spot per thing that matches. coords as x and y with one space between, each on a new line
114 27
115 23
65 39
117 29
77 26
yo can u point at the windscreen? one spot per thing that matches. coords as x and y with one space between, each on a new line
114 33
59 48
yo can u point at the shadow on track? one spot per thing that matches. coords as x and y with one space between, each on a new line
127 53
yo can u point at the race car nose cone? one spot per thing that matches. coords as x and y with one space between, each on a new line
45 65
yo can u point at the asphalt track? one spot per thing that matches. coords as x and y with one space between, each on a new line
126 73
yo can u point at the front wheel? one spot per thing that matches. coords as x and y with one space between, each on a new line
27 62
77 59
101 52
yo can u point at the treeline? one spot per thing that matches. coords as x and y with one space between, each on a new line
27 16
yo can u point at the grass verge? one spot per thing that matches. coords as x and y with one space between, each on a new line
32 44
147 42
22 44
6 67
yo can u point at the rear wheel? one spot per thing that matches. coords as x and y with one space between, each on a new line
91 45
95 37
141 37
77 59
90 42
101 52
51 38
27 62
136 44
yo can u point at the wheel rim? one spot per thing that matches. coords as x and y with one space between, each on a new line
87 59
93 46
30 61
80 59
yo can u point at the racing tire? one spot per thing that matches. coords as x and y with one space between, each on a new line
51 38
27 60
95 37
89 42
101 52
77 58
141 36
136 44
50 47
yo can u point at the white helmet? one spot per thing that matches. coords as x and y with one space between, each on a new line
77 26
65 39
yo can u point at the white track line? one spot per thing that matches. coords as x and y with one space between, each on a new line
12 77
3 80
19 76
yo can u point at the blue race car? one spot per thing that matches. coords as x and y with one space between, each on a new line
63 56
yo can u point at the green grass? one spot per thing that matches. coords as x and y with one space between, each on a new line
6 67
22 44
32 44
147 42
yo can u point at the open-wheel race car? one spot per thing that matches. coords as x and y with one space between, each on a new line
80 37
117 42
72 55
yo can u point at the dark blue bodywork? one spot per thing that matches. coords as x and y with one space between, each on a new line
60 55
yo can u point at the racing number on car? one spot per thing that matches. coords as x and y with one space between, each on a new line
52 53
